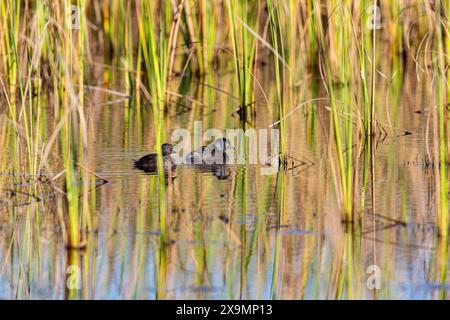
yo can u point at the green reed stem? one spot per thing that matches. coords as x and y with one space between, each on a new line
244 49
347 207
155 53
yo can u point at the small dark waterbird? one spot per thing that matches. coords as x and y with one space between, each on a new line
149 162
214 153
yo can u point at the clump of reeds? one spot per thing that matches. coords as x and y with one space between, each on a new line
45 62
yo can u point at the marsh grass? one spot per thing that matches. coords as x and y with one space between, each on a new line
162 48
244 15
154 46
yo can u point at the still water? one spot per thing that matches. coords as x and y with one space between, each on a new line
223 240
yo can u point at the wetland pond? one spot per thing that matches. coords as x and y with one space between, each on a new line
356 209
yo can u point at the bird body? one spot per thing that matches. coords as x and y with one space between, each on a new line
149 162
214 153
